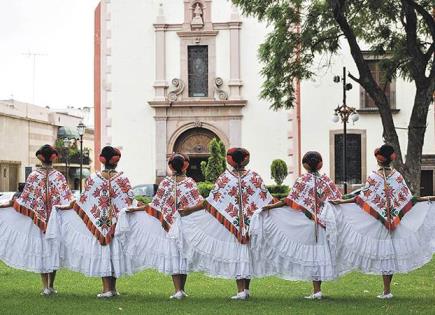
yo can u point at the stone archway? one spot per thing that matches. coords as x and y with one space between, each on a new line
194 142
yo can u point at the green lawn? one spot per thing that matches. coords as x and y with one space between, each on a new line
148 292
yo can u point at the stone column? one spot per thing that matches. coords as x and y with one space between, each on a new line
160 84
235 82
161 140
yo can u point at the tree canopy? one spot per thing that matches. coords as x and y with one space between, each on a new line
399 32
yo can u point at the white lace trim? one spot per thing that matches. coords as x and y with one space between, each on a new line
27 249
386 256
81 252
291 259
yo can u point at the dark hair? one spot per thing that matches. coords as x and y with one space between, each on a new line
237 157
385 154
312 160
177 162
21 186
20 191
110 156
46 154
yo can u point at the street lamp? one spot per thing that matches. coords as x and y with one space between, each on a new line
344 113
81 130
66 144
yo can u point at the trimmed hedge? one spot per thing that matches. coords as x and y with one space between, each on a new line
279 171
278 191
144 199
205 188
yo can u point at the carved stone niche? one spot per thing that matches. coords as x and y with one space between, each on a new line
197 15
197 20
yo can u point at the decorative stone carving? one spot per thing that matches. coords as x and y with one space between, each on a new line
222 95
197 20
197 124
175 90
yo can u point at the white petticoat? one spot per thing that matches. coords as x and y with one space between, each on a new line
210 248
148 245
80 250
286 238
364 243
24 246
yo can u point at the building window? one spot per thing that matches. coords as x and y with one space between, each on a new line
379 75
198 71
354 160
427 179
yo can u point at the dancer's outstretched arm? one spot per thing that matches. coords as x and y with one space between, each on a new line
141 207
67 207
275 205
426 198
7 204
189 210
342 201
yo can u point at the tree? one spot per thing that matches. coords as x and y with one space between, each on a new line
401 32
279 171
216 163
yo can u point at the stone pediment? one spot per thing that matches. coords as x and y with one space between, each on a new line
199 103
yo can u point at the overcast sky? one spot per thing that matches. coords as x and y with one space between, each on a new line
60 30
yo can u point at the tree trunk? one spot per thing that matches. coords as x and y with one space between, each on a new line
416 133
411 169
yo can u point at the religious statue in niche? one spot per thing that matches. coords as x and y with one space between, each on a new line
197 21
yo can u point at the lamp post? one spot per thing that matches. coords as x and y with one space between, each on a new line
66 145
344 113
81 130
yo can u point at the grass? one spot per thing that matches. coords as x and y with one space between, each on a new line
148 292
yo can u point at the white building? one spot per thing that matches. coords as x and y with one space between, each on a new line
172 74
24 128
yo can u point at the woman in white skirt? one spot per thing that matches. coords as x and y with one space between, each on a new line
384 230
87 233
296 236
150 244
216 240
23 223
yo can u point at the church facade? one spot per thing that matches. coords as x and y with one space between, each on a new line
170 75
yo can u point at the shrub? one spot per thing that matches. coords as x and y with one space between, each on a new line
278 191
205 188
216 163
143 199
279 171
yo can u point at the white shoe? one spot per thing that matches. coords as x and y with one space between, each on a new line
184 293
315 296
116 293
240 296
177 296
105 295
247 292
53 290
46 292
384 296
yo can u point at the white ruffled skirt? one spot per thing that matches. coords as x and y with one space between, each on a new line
24 246
80 250
148 245
364 243
286 238
210 248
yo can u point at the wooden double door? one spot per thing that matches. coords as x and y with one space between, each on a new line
8 177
